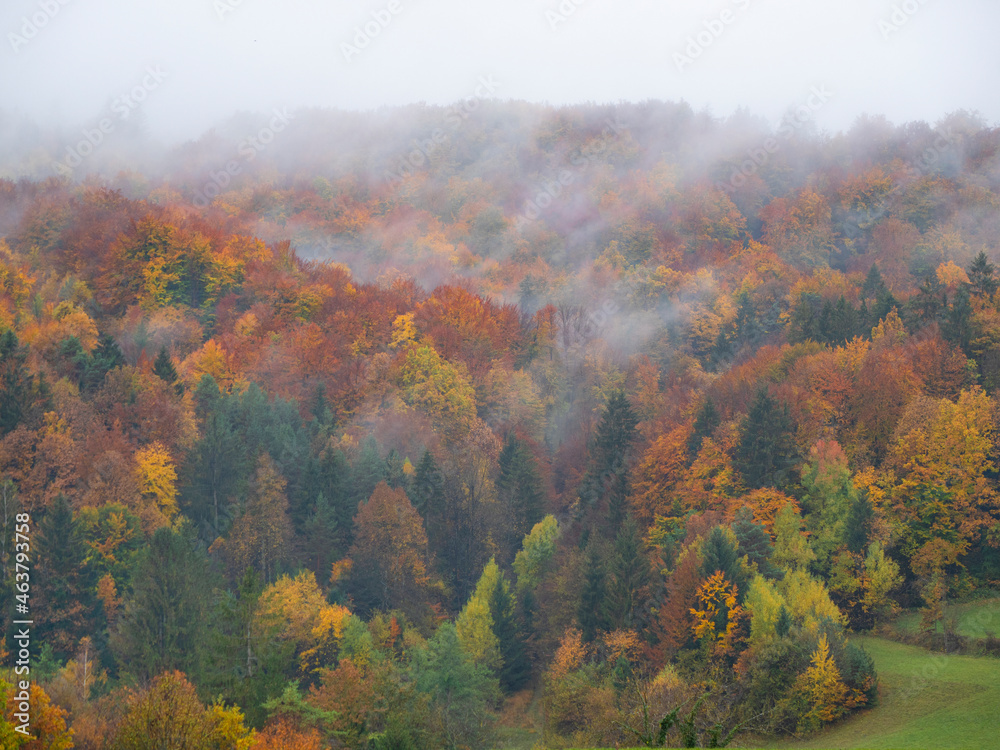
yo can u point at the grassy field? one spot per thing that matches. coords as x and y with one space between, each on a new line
928 701
976 619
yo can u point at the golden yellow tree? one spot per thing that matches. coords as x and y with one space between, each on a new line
157 479
824 690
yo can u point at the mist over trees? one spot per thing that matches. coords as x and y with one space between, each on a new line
373 444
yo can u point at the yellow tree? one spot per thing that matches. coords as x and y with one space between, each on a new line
944 492
157 479
715 623
47 724
297 610
475 623
824 690
440 389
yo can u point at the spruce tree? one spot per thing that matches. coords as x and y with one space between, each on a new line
766 452
105 358
320 534
590 614
630 575
428 495
720 552
366 471
65 602
163 621
217 467
784 623
926 305
395 477
858 526
327 474
982 278
15 382
754 542
958 326
607 479
163 368
519 488
514 665
704 425
874 284
243 655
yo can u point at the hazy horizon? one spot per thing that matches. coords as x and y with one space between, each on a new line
188 66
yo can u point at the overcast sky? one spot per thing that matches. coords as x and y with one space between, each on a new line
66 61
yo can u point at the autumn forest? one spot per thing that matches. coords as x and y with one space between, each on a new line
499 425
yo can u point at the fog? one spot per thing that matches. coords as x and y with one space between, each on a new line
185 65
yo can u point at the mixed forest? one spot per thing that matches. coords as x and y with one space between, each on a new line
424 426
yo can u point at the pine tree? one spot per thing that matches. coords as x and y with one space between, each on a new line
429 499
105 358
607 477
15 382
590 614
394 474
66 604
958 326
164 369
704 425
766 452
874 284
320 536
243 656
514 665
858 526
630 575
519 488
367 471
164 621
754 542
720 552
982 277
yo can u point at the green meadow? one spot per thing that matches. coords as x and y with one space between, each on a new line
929 701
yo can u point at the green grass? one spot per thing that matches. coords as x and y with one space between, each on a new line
928 701
975 618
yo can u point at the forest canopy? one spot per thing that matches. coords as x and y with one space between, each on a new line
616 408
